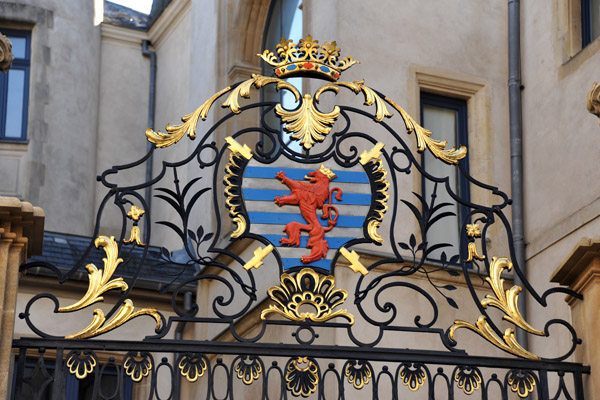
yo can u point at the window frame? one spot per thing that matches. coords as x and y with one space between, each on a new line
23 64
460 106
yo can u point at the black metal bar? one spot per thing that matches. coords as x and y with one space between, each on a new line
543 389
18 389
578 380
58 390
317 351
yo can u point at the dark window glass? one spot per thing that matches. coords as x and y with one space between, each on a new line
447 118
14 88
590 21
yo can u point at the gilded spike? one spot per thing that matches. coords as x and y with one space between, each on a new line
259 254
355 264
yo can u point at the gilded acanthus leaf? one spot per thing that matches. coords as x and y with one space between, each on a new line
190 121
101 282
371 97
507 302
424 139
307 124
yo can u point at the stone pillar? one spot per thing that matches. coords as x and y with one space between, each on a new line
581 273
21 236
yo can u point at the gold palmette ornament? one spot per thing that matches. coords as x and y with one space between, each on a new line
507 302
307 288
100 283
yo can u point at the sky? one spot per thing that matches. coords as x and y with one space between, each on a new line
142 6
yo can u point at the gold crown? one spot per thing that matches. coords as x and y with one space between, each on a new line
327 172
307 59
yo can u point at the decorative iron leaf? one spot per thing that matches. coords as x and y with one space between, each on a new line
207 237
174 227
412 241
192 235
452 302
449 287
403 246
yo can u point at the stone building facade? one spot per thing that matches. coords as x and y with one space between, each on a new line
88 106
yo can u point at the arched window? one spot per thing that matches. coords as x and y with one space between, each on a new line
284 21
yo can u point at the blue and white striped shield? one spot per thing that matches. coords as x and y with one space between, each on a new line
260 187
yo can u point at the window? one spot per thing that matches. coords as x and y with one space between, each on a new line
590 21
37 382
284 21
446 117
14 88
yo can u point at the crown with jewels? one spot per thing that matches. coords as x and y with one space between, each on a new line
307 58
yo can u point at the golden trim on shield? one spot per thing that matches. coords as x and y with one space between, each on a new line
238 152
507 302
374 156
318 292
101 282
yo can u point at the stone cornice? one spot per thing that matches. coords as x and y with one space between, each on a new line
124 35
19 219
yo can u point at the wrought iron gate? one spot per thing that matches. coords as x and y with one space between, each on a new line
349 301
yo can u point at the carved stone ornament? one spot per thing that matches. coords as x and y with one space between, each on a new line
6 54
593 100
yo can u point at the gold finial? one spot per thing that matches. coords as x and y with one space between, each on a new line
307 58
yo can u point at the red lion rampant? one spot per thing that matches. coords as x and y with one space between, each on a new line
310 196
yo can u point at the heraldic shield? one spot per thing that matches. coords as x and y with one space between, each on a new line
305 233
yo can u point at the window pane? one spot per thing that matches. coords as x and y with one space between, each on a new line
443 123
595 11
14 106
19 46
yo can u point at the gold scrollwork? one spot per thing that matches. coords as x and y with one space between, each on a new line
507 302
307 124
424 139
238 152
318 292
371 97
374 156
190 121
302 380
100 282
